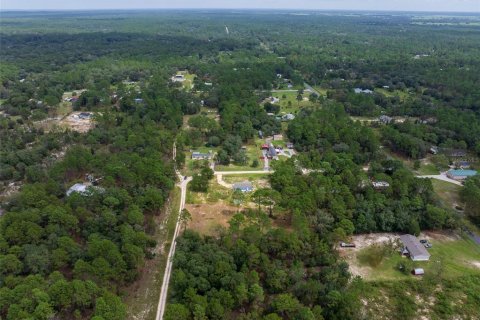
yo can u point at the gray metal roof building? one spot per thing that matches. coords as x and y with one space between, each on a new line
245 186
412 245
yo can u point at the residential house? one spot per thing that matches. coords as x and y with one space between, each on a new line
201 156
277 137
84 189
462 164
413 247
85 115
178 78
385 119
380 184
457 153
272 153
360 90
288 117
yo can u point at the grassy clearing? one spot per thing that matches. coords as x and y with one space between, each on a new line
448 193
449 259
428 169
387 93
215 194
322 91
288 102
63 109
142 297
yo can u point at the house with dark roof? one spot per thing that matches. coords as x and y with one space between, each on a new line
462 164
245 186
271 153
85 115
457 153
201 156
413 247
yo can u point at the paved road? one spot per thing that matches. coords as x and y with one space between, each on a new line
168 268
442 177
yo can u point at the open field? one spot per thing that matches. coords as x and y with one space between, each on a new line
289 103
395 93
215 194
208 218
258 180
448 193
451 256
187 84
450 288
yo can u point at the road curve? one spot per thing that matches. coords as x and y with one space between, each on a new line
168 267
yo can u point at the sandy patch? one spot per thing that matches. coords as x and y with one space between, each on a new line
76 122
208 218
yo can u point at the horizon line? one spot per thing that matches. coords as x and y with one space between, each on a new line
229 9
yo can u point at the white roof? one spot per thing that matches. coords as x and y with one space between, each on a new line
77 187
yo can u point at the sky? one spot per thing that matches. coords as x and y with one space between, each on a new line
381 5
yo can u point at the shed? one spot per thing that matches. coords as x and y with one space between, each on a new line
413 247
277 137
245 186
418 272
288 117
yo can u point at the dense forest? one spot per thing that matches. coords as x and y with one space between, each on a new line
74 255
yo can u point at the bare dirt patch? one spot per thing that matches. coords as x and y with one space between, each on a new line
76 123
207 218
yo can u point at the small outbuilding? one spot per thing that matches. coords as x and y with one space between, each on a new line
413 248
277 137
418 272
245 186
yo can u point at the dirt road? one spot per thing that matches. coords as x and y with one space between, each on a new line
442 177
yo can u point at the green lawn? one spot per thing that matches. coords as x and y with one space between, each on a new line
428 169
448 259
215 193
387 93
288 102
448 193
